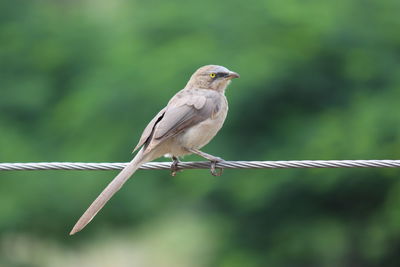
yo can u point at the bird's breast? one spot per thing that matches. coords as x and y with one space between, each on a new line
201 134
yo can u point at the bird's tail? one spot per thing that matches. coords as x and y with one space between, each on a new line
110 190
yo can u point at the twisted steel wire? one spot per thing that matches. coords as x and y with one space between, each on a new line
205 165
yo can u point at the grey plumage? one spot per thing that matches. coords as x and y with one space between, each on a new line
189 121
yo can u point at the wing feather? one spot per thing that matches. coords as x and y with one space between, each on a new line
193 110
183 111
148 131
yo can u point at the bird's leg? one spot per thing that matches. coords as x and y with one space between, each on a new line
205 155
211 158
174 166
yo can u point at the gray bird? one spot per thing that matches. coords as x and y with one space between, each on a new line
190 120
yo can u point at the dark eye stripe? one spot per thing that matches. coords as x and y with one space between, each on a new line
222 74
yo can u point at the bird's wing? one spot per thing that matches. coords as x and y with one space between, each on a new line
148 131
185 111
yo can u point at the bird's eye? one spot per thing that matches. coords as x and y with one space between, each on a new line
212 75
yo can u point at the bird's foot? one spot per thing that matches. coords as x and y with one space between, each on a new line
214 160
213 168
174 166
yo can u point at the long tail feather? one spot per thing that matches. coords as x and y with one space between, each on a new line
109 191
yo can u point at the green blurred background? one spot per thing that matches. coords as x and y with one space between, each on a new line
79 81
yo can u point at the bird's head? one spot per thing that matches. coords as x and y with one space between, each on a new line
212 77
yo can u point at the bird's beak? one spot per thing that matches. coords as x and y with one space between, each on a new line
232 75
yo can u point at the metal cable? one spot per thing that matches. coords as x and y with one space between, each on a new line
205 165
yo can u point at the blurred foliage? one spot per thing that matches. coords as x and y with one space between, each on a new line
319 80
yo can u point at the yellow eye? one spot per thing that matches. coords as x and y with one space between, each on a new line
212 75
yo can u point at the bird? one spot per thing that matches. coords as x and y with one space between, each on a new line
192 117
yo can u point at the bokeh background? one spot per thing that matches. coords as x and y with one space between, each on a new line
79 80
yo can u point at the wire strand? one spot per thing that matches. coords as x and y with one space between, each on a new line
205 165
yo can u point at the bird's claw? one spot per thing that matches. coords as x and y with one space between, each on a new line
213 168
174 167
